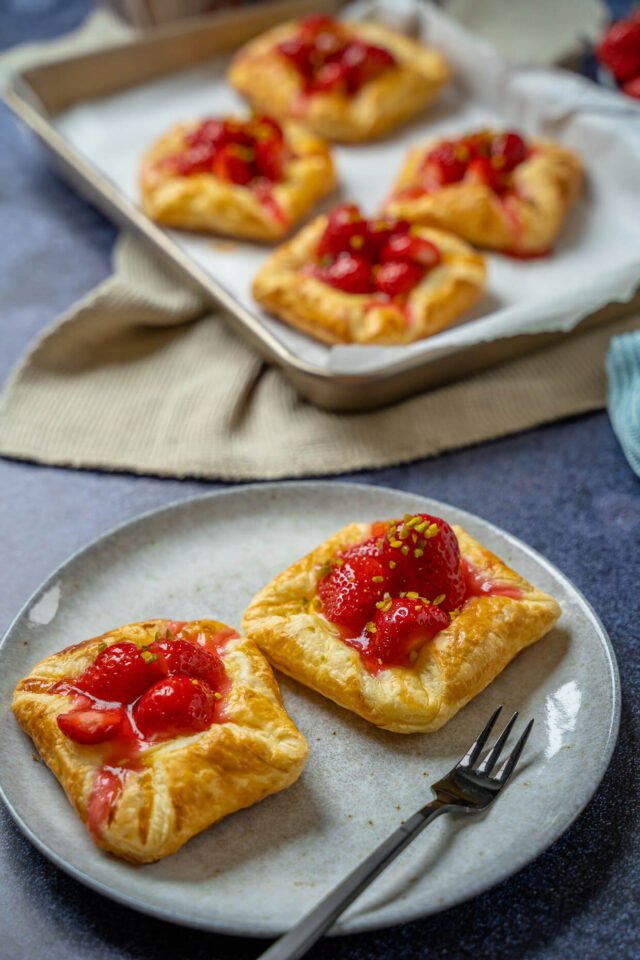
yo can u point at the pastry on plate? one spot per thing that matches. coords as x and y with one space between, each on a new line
346 80
402 622
495 189
156 730
345 279
253 178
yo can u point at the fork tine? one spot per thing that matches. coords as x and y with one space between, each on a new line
473 752
508 766
492 757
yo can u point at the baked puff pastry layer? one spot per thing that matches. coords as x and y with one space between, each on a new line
523 221
285 621
273 84
179 786
206 203
333 316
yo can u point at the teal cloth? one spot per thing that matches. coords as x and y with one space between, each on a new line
623 394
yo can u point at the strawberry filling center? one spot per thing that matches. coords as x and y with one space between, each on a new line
383 257
252 153
330 61
484 157
393 593
133 697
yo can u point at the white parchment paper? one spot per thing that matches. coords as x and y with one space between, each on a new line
596 259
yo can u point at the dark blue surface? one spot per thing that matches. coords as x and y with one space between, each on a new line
565 489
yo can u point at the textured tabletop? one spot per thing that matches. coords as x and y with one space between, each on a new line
565 489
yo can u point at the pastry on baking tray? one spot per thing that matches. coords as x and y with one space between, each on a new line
248 178
402 622
347 81
344 279
495 189
156 730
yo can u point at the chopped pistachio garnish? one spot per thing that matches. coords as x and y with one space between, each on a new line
148 657
396 543
412 595
418 553
339 562
432 530
392 564
325 569
378 579
102 646
371 627
404 550
439 598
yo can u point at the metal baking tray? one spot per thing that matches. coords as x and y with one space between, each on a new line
40 94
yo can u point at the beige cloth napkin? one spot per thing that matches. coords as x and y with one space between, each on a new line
143 376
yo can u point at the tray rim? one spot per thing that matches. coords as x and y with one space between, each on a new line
359 927
353 391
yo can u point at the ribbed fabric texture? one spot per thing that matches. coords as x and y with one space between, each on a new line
623 394
139 376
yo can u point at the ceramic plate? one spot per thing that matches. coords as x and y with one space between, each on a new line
259 870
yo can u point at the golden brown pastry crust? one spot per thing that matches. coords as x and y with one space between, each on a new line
204 202
333 316
546 184
187 783
462 660
272 84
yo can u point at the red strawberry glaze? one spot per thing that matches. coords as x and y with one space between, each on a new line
394 592
189 665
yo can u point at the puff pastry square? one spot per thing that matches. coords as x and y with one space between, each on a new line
286 622
259 209
515 208
272 81
177 786
288 287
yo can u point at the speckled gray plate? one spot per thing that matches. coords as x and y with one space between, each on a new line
259 870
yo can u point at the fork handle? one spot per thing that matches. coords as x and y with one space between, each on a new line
300 938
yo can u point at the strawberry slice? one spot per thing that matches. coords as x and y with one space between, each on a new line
181 656
402 628
349 273
346 232
233 162
299 53
446 163
423 551
174 707
380 230
364 62
119 674
350 591
414 249
196 159
90 726
270 158
482 170
331 77
508 150
397 278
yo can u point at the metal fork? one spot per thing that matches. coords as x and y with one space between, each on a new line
466 788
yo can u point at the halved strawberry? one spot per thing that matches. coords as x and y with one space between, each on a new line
299 53
119 674
346 232
446 163
410 247
270 158
349 273
397 278
196 159
364 62
482 170
619 49
351 590
174 707
181 656
233 162
331 77
379 231
423 551
90 726
508 150
402 628
312 26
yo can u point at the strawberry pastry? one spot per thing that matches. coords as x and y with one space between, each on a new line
159 729
245 178
348 81
402 622
345 278
497 189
